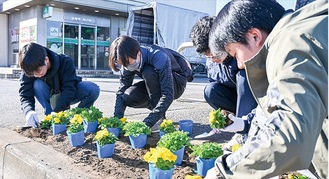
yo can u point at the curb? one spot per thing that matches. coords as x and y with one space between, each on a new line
24 158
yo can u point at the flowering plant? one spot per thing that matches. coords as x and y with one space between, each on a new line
207 150
75 124
74 111
174 141
46 122
112 122
61 117
218 118
136 128
92 114
167 126
104 137
162 157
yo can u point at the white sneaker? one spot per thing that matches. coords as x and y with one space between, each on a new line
156 127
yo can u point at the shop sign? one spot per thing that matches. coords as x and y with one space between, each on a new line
47 11
80 19
27 32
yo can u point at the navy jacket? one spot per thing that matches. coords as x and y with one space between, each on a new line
68 80
165 65
224 73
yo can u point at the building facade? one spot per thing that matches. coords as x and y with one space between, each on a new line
81 29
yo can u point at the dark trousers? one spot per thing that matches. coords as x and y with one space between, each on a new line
238 100
147 92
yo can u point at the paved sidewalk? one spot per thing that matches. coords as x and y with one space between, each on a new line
23 158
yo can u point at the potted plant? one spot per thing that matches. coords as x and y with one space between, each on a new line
161 162
112 124
75 131
137 132
218 118
73 111
206 154
59 122
175 142
46 122
90 118
105 142
167 126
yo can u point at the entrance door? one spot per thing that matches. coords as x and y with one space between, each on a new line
71 42
88 47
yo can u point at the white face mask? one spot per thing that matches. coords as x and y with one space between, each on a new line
133 67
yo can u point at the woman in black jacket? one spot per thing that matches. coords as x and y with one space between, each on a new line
46 73
164 75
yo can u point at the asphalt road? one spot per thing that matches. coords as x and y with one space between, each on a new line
191 105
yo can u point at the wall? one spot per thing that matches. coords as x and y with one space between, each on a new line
4 34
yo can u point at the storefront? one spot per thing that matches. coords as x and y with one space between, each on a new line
83 37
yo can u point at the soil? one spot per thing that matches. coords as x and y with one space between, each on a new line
125 163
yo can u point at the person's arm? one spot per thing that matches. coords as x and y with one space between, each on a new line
67 82
26 93
167 92
126 80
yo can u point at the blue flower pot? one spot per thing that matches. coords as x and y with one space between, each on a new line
180 154
105 151
139 141
186 126
163 174
90 127
152 170
162 133
203 165
76 139
115 131
58 128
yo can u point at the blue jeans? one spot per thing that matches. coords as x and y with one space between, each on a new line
86 93
238 100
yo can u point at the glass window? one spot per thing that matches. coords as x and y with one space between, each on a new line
103 46
55 36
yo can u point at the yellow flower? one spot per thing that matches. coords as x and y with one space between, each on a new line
77 119
124 120
57 120
101 134
193 177
235 147
212 116
48 118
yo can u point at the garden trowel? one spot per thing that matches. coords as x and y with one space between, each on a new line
207 134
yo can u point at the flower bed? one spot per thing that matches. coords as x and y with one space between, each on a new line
125 163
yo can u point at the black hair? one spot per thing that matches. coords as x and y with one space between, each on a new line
200 33
239 16
122 48
31 57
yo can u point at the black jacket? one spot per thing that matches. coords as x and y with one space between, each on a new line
68 80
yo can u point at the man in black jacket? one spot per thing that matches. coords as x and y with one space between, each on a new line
47 74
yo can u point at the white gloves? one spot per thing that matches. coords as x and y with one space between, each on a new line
237 126
53 113
32 119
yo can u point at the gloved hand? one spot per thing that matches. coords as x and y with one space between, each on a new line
236 126
31 119
53 113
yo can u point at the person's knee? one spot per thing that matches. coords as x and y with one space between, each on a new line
39 85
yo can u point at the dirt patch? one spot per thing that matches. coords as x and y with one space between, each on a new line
125 163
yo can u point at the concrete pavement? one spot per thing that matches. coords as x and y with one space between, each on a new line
24 158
